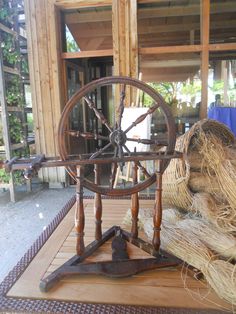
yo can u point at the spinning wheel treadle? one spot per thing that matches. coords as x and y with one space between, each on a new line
116 140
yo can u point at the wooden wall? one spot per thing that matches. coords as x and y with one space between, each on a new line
45 58
44 78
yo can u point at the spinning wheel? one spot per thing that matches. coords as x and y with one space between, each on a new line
117 139
115 152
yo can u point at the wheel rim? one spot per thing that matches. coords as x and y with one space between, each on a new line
117 136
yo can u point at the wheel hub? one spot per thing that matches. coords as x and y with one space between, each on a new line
118 137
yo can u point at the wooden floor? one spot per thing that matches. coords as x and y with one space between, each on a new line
163 287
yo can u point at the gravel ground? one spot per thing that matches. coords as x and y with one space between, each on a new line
22 222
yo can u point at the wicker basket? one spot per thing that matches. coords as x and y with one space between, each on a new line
176 190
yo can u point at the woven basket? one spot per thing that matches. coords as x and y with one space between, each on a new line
176 190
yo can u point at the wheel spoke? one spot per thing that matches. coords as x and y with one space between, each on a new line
148 142
113 174
114 167
122 106
94 155
141 118
98 113
144 170
87 135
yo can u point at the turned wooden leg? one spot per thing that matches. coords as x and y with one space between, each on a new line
157 217
98 205
79 212
134 204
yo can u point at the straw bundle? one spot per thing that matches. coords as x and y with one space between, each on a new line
220 275
221 215
214 153
208 166
222 244
201 182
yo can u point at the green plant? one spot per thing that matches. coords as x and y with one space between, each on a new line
9 53
7 12
17 177
15 126
71 44
168 90
14 95
24 65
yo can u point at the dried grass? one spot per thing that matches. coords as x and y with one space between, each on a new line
208 147
191 240
201 182
221 215
215 155
221 275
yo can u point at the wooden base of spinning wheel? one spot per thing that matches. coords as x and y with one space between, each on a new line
120 265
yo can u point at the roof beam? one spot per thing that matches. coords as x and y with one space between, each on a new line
75 4
87 54
169 63
147 13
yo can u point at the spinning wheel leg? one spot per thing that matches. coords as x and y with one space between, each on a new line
157 217
134 204
98 205
79 212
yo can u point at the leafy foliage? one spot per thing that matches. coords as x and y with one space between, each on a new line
10 55
7 12
14 94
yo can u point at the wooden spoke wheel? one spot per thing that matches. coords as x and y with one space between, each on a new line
117 138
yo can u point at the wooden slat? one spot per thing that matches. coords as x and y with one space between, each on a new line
184 10
163 287
75 4
205 33
133 35
12 109
44 69
169 49
222 47
5 123
11 70
7 30
87 54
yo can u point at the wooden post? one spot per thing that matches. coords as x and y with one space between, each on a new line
134 204
79 212
205 25
157 216
125 43
5 124
98 205
42 33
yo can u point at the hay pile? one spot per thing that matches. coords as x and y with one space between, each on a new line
200 228
205 180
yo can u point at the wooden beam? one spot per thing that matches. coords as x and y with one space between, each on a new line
184 10
222 47
169 63
7 30
87 54
83 31
133 37
5 123
88 17
125 40
75 4
181 27
169 49
205 25
154 78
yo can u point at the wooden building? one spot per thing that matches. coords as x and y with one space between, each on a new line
165 40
